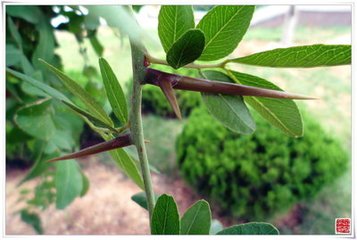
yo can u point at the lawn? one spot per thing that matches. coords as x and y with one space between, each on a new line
333 109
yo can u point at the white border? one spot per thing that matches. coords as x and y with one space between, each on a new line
182 2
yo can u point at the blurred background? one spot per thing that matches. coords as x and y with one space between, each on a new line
300 185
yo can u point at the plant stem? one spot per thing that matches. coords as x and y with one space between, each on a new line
154 60
136 122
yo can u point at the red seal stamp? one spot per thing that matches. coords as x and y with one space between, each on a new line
343 226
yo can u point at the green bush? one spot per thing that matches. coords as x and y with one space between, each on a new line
255 176
154 101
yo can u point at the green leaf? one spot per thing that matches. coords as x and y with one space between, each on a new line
44 121
13 55
253 228
165 217
186 49
302 56
44 87
281 113
97 46
230 110
224 27
46 44
127 164
31 14
59 96
14 33
85 185
196 219
114 91
93 107
32 219
95 121
69 182
35 119
39 166
141 200
174 21
216 226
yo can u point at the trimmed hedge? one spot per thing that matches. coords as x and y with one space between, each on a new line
154 101
255 176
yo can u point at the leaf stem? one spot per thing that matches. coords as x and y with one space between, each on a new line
154 60
138 59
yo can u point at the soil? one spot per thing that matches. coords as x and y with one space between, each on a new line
106 208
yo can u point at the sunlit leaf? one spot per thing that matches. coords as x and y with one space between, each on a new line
174 21
224 27
317 55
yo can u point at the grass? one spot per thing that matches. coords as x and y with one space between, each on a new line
333 110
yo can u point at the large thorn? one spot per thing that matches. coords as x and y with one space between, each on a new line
169 92
118 142
155 77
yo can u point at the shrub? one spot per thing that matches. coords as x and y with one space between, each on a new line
255 176
154 102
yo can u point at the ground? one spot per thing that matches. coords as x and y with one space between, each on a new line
106 208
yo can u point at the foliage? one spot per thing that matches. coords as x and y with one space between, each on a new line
255 176
40 127
216 36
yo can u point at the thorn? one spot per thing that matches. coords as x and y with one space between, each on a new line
146 141
169 92
146 61
118 142
162 79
